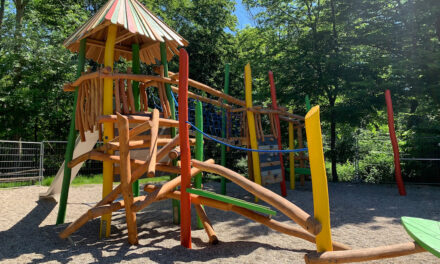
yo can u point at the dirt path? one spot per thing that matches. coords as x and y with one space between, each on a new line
362 216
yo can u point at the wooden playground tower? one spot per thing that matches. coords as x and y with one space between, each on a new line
107 101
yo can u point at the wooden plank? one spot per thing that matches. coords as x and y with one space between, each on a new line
234 201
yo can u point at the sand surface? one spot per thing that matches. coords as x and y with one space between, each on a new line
361 216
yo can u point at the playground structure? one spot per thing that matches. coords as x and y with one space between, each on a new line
106 101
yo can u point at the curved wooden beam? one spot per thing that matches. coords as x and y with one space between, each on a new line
289 209
267 221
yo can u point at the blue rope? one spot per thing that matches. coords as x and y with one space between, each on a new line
174 98
246 149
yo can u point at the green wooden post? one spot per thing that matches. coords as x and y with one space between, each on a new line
136 68
308 107
199 149
163 57
223 147
71 140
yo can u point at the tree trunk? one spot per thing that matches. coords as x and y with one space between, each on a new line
333 140
2 13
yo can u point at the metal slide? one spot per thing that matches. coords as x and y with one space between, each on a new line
80 148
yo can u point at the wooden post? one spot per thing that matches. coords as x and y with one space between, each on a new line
252 125
107 167
199 150
278 128
292 155
136 68
185 158
125 172
163 58
319 180
301 154
393 138
71 139
308 107
153 145
223 147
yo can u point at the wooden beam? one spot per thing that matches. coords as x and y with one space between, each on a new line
366 254
101 44
289 209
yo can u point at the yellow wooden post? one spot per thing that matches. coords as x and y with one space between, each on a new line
107 167
292 155
251 124
319 179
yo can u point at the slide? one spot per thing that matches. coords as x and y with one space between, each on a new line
80 148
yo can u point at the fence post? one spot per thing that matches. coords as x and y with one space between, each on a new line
40 174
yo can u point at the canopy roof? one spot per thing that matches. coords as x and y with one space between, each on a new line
136 24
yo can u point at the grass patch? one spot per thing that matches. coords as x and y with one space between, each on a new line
97 179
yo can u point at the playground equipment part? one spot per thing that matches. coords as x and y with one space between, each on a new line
398 173
115 31
81 147
125 28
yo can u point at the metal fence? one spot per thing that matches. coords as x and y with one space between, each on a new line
24 163
370 159
21 162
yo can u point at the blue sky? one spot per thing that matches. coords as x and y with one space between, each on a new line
243 16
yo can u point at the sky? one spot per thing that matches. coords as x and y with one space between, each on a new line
243 16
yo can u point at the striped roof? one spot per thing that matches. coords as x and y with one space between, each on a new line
136 24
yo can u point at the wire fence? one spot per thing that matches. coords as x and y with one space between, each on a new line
25 163
369 159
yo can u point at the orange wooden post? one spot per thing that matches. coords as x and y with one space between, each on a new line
185 151
278 128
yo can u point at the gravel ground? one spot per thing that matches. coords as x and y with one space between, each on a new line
361 215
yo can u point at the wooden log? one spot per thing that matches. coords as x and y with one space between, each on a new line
138 144
175 153
91 214
115 193
125 170
206 224
214 92
204 99
96 104
130 95
153 149
301 154
89 105
236 110
79 115
81 109
164 189
265 220
123 96
286 207
366 254
117 99
144 98
139 119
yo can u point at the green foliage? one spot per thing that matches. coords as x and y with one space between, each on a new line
342 53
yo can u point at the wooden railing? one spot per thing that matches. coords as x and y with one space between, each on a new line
90 98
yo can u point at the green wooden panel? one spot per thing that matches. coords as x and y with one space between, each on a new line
425 232
234 201
300 171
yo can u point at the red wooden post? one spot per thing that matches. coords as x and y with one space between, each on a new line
185 152
393 138
277 123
